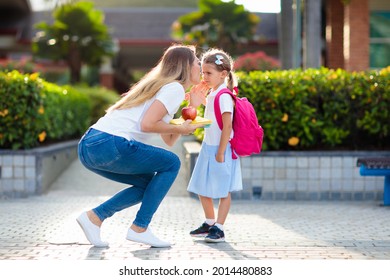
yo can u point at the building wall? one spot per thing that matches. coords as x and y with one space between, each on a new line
348 42
379 5
356 36
334 34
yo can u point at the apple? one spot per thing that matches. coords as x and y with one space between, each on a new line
188 113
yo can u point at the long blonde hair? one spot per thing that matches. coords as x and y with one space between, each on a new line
210 57
174 65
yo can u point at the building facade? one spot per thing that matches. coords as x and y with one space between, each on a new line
349 34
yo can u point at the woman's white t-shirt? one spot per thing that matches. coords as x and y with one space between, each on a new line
212 135
127 122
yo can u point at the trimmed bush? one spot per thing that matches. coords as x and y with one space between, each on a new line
67 112
33 111
20 115
101 98
320 109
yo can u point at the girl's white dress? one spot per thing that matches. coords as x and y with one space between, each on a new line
209 177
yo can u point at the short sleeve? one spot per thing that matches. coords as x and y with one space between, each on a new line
226 103
171 96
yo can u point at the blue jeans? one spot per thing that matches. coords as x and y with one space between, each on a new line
150 170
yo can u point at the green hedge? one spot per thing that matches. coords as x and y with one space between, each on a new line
101 98
33 111
320 109
67 112
314 109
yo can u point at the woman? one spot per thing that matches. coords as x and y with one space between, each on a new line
116 148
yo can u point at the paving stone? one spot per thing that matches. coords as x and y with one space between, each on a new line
44 227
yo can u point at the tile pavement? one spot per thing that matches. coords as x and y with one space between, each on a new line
44 227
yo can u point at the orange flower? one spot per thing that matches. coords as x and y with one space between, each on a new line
4 113
293 141
34 76
332 77
42 136
41 110
285 118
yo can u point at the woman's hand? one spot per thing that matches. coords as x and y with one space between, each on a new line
185 129
197 94
152 122
188 128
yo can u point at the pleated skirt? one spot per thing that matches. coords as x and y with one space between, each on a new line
214 179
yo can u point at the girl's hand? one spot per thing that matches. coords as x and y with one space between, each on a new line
220 158
197 94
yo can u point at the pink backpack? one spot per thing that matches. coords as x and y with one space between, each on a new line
248 134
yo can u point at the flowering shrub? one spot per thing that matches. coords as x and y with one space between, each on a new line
320 109
33 111
256 61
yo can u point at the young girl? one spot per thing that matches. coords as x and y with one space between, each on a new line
215 173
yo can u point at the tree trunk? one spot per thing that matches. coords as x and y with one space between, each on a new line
286 33
74 62
312 35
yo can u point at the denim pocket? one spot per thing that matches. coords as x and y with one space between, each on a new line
125 146
100 149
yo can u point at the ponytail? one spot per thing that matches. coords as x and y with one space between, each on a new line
231 80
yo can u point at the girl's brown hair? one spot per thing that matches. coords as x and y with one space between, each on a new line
221 61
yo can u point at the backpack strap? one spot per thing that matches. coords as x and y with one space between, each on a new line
217 108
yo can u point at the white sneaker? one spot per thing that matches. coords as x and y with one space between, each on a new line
91 231
146 237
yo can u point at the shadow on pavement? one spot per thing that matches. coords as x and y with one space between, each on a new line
227 249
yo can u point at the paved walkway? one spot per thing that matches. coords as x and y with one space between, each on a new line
44 227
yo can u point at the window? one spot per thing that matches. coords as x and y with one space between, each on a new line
380 39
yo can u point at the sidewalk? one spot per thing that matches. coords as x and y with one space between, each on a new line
44 227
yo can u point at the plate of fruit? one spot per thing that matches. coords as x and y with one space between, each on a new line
190 113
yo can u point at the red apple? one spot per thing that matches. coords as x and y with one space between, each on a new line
188 113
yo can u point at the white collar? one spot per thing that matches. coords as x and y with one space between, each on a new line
222 86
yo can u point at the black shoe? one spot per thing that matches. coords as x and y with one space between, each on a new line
201 231
215 235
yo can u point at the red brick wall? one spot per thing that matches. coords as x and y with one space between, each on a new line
347 35
356 51
334 34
